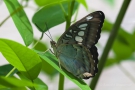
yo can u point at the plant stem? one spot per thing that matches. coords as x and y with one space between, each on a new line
61 82
11 71
110 41
70 12
38 40
68 22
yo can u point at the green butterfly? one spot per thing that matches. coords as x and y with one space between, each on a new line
76 48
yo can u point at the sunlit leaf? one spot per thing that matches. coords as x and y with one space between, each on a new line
47 2
83 2
11 82
21 57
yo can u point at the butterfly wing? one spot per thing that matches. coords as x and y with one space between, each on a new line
85 31
76 48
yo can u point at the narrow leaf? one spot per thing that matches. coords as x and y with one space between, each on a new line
21 21
47 2
49 58
11 82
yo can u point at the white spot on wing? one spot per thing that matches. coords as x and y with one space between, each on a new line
89 17
86 74
81 33
79 39
83 28
83 25
68 36
100 13
70 31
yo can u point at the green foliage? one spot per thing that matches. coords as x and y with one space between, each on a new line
40 46
45 17
20 20
83 2
4 70
47 2
11 82
21 57
123 46
110 2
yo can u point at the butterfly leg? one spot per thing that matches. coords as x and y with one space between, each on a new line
60 65
51 51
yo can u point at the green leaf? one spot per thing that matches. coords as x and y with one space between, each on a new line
21 21
83 2
107 26
21 57
50 16
51 71
131 41
40 84
11 82
19 88
47 2
121 50
111 61
110 2
5 69
40 46
49 58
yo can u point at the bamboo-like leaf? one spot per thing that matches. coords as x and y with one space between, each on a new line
11 82
49 58
20 20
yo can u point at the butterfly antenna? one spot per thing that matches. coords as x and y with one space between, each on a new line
49 33
44 32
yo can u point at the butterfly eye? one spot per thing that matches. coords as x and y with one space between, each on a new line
89 17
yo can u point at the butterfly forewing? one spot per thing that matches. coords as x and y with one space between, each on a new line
85 31
76 48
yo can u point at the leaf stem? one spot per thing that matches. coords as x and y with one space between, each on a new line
38 40
63 10
68 22
110 41
11 71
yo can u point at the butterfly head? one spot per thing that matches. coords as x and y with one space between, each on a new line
53 45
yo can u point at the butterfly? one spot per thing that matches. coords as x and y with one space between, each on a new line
76 48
